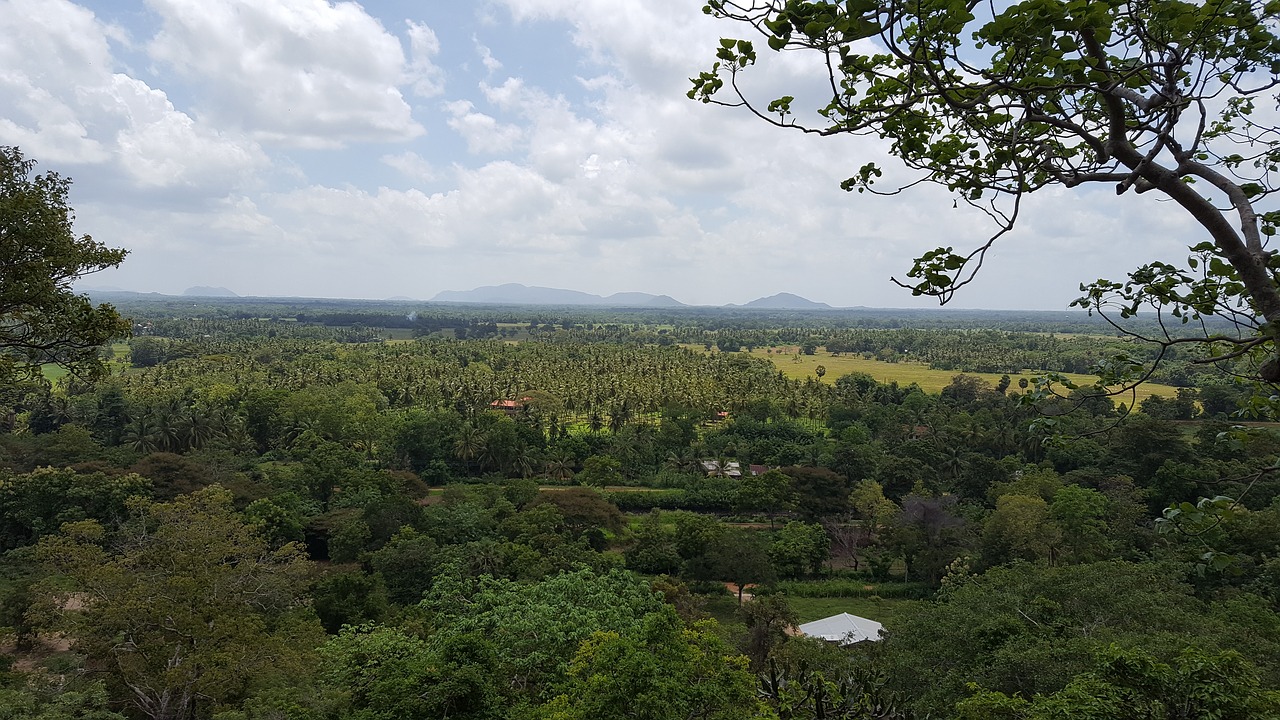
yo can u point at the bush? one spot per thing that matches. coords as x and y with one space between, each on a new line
645 500
853 589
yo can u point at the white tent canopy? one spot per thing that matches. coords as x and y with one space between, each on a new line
844 628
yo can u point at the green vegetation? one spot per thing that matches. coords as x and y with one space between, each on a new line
884 611
329 510
995 103
41 320
379 524
929 379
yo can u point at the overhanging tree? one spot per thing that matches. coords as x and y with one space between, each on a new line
997 101
41 319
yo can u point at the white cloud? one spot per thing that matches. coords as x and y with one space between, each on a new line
69 107
411 165
483 133
164 148
50 50
491 64
426 76
295 72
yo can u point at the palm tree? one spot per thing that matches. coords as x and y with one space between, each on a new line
560 466
954 462
469 444
721 467
620 416
684 462
523 461
196 428
141 435
166 430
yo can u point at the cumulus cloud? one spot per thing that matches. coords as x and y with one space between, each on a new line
295 72
483 133
585 167
162 147
491 64
69 107
426 76
50 50
411 165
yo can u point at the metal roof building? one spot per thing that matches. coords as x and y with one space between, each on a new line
844 628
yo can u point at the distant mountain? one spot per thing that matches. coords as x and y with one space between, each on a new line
639 299
203 291
400 298
785 301
517 294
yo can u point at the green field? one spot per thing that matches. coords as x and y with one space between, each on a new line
398 334
883 611
118 363
905 373
52 372
724 608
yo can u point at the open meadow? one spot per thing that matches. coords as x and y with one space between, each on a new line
798 366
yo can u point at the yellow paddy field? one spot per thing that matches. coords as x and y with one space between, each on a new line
905 373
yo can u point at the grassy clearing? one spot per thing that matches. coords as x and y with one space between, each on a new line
398 334
905 373
52 372
884 611
724 609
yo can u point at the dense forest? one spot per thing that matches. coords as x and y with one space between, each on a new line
293 509
283 509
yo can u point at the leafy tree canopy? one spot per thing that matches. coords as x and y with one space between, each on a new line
191 606
658 670
41 319
1032 630
996 101
537 628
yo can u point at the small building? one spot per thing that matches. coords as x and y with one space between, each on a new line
844 629
509 407
732 468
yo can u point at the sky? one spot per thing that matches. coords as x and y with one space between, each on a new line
401 148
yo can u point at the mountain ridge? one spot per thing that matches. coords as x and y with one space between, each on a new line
207 291
517 294
784 301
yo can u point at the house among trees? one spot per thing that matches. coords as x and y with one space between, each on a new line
844 629
729 468
509 407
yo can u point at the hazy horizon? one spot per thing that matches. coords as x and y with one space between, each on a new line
303 148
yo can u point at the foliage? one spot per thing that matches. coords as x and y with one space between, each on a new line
1132 683
842 689
799 548
187 605
536 628
852 589
387 674
48 698
998 102
43 321
485 590
1030 630
659 670
36 504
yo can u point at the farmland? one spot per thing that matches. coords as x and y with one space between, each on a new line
449 483
792 363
